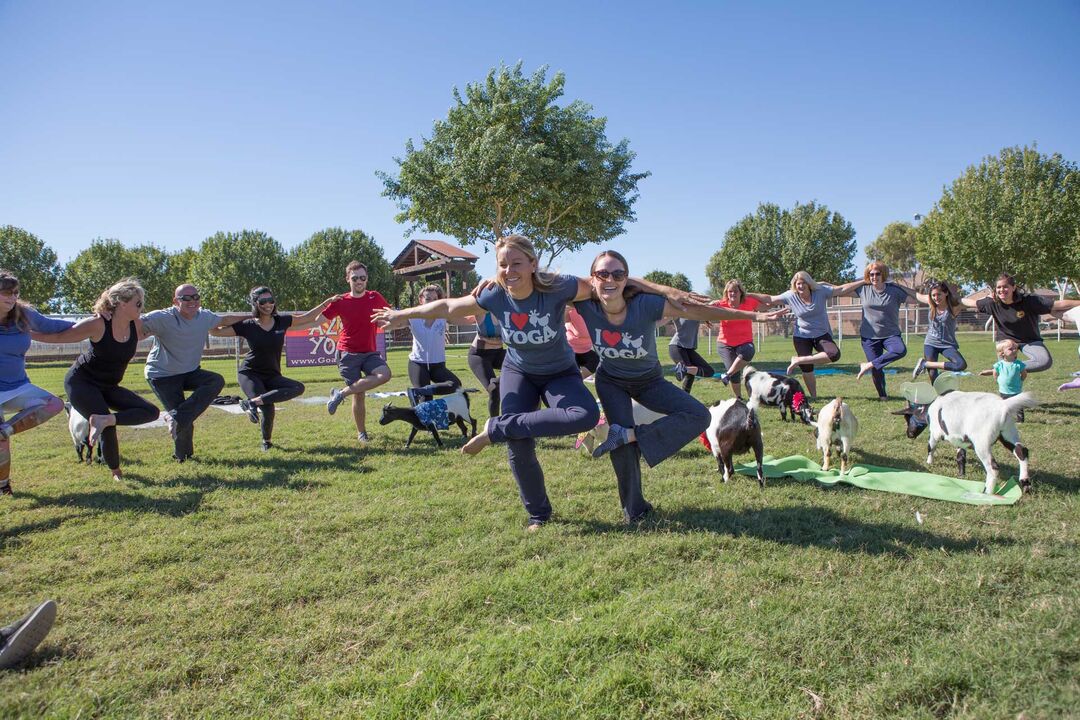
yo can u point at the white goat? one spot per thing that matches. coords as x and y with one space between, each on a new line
975 419
836 425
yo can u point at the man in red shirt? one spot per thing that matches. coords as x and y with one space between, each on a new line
360 364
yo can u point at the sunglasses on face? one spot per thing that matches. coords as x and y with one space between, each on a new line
616 275
355 278
873 274
191 297
266 301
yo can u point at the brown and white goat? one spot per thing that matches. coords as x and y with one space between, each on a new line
836 425
733 430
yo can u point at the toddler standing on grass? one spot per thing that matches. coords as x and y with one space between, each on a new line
1009 372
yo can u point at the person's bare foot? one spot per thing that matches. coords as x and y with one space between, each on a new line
864 368
97 424
170 422
118 475
792 365
534 526
476 444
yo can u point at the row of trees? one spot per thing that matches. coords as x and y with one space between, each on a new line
225 267
1016 212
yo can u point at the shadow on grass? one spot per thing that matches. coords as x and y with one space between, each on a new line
12 536
803 527
117 501
1059 408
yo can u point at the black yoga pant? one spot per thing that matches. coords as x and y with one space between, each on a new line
484 363
90 398
809 346
272 389
728 354
421 374
204 386
690 358
588 360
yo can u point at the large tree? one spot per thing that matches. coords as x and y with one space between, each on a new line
765 249
895 247
1017 212
509 159
105 262
676 280
228 265
33 262
317 266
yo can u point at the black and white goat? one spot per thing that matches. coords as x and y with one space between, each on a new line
79 427
975 419
733 430
786 393
457 410
836 425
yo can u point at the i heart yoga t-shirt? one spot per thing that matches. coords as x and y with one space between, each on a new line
627 351
532 328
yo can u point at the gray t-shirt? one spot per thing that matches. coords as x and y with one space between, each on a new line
628 350
942 330
686 332
532 328
881 310
811 318
178 343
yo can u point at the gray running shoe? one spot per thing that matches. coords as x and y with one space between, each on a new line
362 438
18 640
335 399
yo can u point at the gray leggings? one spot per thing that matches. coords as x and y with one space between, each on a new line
1038 357
729 353
571 409
686 418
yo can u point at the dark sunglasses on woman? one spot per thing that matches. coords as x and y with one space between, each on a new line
616 275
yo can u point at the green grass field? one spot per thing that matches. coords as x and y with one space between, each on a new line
322 579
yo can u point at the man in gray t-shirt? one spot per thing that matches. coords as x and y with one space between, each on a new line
172 367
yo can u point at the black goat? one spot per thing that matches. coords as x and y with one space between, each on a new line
457 410
733 430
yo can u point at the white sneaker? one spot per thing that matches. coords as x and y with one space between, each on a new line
28 634
362 438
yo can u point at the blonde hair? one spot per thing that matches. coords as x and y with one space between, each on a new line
805 277
542 281
737 284
1003 345
120 292
876 265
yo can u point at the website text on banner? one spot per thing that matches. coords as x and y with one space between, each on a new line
318 345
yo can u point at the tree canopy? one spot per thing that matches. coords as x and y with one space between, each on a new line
317 266
678 281
107 261
508 159
228 265
895 247
1017 212
33 262
765 249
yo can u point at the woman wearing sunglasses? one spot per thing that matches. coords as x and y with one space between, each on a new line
25 405
93 382
539 365
259 374
622 326
882 341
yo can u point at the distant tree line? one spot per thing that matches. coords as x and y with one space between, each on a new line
225 267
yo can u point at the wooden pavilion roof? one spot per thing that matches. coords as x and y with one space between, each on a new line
421 257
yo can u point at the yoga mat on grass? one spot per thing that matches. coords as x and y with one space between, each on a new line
904 482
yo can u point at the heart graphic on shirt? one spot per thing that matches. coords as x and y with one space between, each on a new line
611 337
519 319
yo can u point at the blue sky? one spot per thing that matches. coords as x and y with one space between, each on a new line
165 123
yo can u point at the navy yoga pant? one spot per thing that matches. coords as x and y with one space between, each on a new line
881 352
954 361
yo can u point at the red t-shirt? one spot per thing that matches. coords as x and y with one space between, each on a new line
357 330
736 332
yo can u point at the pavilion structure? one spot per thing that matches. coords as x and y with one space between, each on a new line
433 261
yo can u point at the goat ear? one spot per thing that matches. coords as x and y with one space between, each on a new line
905 411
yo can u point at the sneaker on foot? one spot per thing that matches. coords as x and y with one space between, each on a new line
617 437
19 640
920 367
267 445
251 409
6 431
335 399
361 437
5 489
680 371
724 378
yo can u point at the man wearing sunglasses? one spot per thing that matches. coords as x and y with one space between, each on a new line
361 366
172 367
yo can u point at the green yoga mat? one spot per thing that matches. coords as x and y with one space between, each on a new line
905 482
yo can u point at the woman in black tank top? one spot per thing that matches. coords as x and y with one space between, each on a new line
93 382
